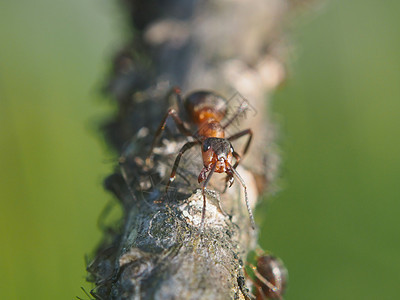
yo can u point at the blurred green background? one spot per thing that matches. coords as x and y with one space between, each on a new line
336 222
53 58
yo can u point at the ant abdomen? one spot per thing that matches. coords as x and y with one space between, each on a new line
203 105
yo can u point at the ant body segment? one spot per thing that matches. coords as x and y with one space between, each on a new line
206 110
270 277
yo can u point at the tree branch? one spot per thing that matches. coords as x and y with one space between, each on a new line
158 252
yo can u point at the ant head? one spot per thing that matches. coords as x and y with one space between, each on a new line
217 150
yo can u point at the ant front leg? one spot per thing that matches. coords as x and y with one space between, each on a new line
179 123
239 135
203 176
229 177
184 148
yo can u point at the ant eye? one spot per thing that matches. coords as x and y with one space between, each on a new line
206 146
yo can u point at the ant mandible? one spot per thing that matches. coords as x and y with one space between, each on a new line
206 110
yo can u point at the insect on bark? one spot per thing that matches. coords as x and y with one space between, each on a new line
270 277
206 110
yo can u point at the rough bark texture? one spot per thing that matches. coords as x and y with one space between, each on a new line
157 251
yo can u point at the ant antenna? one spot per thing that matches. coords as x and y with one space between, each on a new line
253 224
203 212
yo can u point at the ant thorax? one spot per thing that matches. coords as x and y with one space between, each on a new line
211 128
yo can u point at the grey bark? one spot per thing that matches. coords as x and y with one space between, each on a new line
157 252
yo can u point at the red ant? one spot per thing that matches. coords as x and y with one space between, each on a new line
271 277
206 110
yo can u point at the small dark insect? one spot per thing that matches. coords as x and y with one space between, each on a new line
270 277
206 110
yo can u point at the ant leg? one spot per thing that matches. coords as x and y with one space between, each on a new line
263 280
122 161
184 148
86 293
253 224
236 155
240 134
202 177
179 123
266 282
203 212
177 91
229 177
